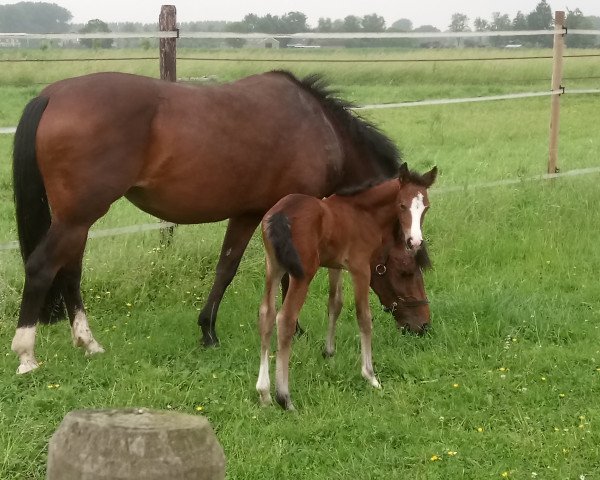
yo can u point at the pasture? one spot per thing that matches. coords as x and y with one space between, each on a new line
505 386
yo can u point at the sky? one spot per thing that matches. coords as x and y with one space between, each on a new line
421 12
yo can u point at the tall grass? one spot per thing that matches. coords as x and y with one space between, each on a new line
506 384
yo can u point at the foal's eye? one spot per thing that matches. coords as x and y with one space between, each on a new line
402 206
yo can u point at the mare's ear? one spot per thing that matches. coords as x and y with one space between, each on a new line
403 173
430 176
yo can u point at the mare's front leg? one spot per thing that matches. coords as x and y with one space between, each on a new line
334 307
361 278
239 232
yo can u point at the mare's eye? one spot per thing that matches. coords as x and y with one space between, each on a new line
402 206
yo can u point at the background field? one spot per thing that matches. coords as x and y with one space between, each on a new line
507 383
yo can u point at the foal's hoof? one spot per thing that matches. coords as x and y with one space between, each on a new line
27 366
265 399
327 353
285 402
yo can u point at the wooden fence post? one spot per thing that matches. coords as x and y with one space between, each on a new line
557 66
167 22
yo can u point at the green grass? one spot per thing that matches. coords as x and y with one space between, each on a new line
514 295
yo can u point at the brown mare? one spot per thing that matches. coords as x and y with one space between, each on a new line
302 233
185 154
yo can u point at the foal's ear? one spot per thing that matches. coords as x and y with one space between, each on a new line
403 173
430 176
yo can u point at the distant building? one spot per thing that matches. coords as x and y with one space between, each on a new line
268 42
10 42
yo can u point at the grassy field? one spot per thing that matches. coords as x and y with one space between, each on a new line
506 385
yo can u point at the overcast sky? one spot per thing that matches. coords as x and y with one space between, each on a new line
420 12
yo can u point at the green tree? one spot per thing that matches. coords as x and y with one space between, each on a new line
401 25
520 21
96 26
459 23
576 20
500 23
294 22
541 19
352 24
373 23
34 17
481 24
325 25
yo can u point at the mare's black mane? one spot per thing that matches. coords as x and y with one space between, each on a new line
360 130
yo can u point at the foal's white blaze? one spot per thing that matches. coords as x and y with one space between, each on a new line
82 334
417 207
22 344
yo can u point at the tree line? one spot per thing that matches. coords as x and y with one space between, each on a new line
41 17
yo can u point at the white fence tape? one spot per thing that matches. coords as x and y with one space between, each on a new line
305 35
109 232
441 101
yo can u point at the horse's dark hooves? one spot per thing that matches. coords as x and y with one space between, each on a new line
210 341
327 354
285 402
299 330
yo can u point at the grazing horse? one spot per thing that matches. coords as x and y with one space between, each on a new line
302 233
397 279
183 153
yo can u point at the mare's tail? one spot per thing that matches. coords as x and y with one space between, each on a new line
279 234
31 203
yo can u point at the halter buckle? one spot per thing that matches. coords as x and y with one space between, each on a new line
381 269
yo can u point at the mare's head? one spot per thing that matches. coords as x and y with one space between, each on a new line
397 279
412 203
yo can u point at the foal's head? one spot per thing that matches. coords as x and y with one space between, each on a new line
412 203
397 280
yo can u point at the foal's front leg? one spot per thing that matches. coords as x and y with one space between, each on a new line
361 279
334 308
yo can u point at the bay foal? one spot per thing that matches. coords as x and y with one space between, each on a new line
302 233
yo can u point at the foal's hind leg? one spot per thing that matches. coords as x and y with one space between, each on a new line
286 326
265 324
239 232
334 308
285 285
52 253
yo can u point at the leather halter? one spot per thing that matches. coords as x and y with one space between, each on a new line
381 270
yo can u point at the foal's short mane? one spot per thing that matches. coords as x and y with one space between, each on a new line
360 130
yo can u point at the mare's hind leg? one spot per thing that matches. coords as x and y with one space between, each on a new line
52 253
70 277
266 322
361 279
334 308
239 232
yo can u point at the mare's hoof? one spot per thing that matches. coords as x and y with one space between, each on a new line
210 341
27 366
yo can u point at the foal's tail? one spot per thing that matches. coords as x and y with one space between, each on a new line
279 234
31 203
